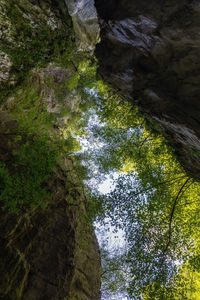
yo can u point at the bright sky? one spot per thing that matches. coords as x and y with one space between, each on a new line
107 185
115 241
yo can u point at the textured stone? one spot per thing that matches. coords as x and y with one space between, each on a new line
29 32
5 66
150 51
49 254
85 22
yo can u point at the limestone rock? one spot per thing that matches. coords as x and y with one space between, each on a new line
29 31
47 253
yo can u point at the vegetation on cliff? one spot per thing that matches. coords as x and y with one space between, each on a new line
43 217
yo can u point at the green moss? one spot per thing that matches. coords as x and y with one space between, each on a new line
32 44
23 180
35 148
24 183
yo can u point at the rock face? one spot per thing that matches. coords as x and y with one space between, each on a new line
47 253
29 32
150 51
85 23
51 253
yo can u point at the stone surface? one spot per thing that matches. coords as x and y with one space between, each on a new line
52 253
5 66
29 33
85 22
150 51
49 253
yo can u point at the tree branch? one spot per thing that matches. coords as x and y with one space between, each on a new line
171 217
160 183
146 139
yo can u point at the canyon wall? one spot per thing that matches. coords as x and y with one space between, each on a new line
149 50
47 252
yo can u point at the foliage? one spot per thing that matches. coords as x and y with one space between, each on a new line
154 201
38 146
33 41
24 185
115 276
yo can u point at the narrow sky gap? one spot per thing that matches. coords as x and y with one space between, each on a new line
106 234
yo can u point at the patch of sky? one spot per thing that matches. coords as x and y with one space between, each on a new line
118 296
109 237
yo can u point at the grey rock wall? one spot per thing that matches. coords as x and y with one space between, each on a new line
85 23
150 51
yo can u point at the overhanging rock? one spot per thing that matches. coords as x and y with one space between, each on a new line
150 51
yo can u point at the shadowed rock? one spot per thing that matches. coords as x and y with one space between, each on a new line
150 51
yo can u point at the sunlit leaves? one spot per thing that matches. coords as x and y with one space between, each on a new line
154 201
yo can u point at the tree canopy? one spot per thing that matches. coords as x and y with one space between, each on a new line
154 201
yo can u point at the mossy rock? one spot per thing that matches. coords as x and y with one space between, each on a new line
32 33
